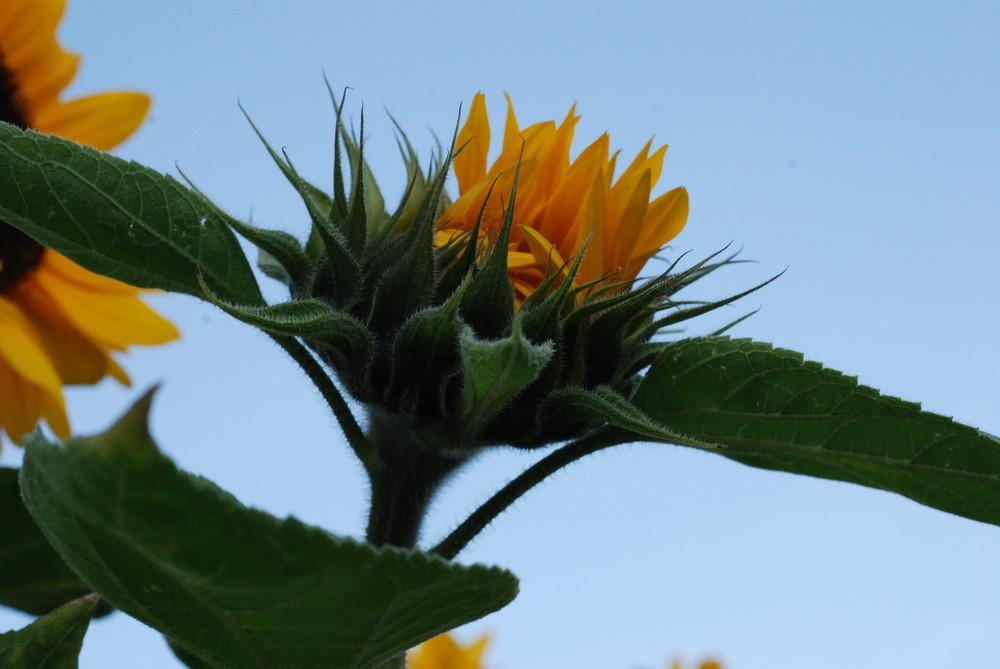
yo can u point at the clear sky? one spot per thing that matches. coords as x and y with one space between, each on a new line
855 144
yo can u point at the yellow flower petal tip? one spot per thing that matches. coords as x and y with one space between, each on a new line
563 206
707 664
36 70
444 652
59 323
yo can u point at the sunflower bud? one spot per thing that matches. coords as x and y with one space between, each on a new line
511 315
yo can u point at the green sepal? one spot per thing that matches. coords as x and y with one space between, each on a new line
403 272
540 322
317 203
640 356
369 193
404 263
339 278
33 578
272 269
604 405
417 185
345 342
425 359
348 214
495 371
52 641
488 304
405 289
119 218
282 248
235 586
774 410
692 312
460 262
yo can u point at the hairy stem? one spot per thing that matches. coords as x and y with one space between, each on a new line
359 443
453 544
405 477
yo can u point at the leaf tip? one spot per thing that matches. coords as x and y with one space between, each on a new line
129 437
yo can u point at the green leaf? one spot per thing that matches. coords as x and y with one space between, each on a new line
51 642
772 409
236 586
191 660
497 370
119 218
33 578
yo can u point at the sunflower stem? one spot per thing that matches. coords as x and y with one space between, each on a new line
453 544
405 477
359 443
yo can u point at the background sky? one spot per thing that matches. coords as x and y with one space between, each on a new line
855 144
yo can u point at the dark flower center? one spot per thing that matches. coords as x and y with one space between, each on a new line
19 253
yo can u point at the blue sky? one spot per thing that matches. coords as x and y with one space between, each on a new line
855 144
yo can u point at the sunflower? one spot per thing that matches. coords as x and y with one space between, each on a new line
59 323
443 652
560 203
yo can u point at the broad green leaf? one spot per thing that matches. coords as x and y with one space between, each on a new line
497 370
189 659
51 642
772 409
119 218
33 578
233 585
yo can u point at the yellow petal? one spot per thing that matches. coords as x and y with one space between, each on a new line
545 255
102 121
561 203
21 349
114 321
511 135
74 356
665 219
69 272
23 404
592 222
30 389
563 209
41 69
629 222
473 142
443 652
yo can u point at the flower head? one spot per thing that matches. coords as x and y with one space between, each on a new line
59 323
443 652
510 315
561 203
